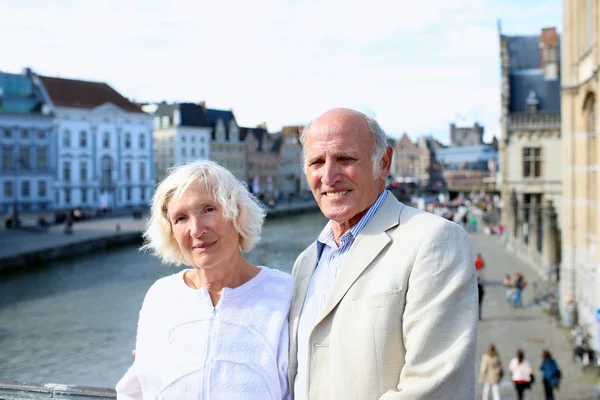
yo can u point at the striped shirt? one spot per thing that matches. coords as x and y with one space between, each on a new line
329 259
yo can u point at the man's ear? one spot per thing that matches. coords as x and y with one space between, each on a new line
386 161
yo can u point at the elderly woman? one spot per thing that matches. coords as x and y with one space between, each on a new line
219 329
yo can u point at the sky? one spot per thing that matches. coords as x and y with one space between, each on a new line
416 65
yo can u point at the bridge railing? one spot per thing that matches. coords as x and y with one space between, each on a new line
13 390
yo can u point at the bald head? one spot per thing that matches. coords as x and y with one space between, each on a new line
367 126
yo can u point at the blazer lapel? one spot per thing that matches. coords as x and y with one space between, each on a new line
369 243
305 267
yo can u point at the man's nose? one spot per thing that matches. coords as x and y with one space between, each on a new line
331 173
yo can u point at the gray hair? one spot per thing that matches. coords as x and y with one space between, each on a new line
379 144
238 206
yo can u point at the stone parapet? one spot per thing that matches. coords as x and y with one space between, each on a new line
533 121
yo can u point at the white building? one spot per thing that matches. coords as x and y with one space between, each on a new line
104 148
27 146
182 133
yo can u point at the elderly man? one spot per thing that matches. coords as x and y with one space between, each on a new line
385 303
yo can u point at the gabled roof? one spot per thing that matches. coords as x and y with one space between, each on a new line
84 94
258 134
191 114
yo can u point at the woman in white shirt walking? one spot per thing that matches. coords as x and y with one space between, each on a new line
520 370
218 330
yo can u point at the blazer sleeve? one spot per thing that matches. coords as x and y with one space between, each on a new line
439 323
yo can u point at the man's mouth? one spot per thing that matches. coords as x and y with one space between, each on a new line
336 194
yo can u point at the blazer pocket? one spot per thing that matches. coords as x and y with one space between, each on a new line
378 300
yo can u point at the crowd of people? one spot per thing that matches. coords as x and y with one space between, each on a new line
491 373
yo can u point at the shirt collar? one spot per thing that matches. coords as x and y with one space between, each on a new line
326 235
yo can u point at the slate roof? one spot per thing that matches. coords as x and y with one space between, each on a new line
525 74
547 91
224 115
84 94
469 154
191 114
274 142
18 94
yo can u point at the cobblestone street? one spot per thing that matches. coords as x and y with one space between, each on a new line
527 327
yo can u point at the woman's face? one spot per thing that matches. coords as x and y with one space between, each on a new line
206 239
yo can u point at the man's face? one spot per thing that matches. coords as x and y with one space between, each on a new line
338 154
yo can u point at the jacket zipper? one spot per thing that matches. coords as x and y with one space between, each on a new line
208 356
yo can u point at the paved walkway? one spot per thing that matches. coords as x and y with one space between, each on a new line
527 327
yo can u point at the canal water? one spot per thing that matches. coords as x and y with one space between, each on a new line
75 321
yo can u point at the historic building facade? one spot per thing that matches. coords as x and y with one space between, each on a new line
262 152
28 146
182 133
104 145
580 61
530 147
290 172
416 161
227 147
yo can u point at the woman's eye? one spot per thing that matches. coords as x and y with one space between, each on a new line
210 209
179 219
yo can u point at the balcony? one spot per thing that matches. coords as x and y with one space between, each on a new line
533 121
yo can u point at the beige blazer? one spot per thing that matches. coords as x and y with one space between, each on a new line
400 321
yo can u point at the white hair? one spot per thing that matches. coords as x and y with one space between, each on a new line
237 204
379 144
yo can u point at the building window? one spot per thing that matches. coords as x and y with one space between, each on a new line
202 153
6 133
193 152
183 153
67 171
66 139
24 161
106 140
142 194
142 171
42 158
42 189
7 157
107 166
67 196
142 141
128 171
84 196
83 139
193 139
532 162
41 135
128 194
25 189
24 134
83 171
128 140
8 189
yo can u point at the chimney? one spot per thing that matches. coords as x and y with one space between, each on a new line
549 53
203 105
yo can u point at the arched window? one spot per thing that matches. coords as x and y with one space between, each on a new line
592 159
107 167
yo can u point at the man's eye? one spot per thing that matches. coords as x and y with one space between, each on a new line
315 162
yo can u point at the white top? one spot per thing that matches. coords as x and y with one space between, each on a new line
188 349
520 372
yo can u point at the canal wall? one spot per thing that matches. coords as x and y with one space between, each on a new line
15 390
23 249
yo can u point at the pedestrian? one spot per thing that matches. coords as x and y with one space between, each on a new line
521 373
551 373
385 300
465 221
473 220
480 292
508 285
479 265
519 285
491 372
69 224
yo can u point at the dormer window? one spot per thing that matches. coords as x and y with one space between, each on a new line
533 103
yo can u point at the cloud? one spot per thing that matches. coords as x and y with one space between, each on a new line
416 64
